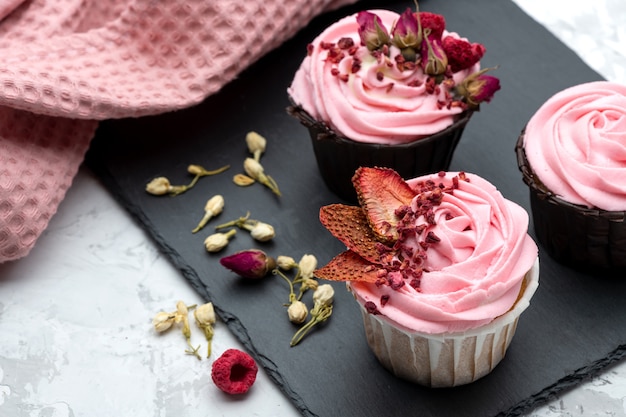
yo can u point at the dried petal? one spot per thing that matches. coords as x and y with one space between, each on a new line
243 180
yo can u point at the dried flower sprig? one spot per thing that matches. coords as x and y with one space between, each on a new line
259 231
212 208
163 186
205 319
163 321
321 311
256 171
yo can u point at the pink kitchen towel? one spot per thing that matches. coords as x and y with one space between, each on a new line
65 64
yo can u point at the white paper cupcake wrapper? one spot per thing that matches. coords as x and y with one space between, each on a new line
449 359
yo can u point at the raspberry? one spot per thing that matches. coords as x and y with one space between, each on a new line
234 372
433 21
461 54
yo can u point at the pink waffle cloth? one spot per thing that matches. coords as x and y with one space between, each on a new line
68 63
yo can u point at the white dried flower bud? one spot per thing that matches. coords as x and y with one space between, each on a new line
307 265
256 144
297 312
163 321
323 295
286 263
195 169
218 241
204 315
253 168
159 186
309 284
214 205
262 232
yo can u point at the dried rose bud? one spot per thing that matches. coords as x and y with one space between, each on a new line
262 232
434 59
407 35
218 241
297 312
252 263
159 186
163 321
256 144
213 207
286 263
372 31
307 265
323 295
478 87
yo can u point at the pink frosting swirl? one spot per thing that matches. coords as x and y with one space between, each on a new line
476 269
576 144
366 108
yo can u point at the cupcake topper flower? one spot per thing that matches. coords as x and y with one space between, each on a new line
372 32
407 34
478 87
434 58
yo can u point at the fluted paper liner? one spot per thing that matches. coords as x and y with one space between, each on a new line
449 359
572 234
338 157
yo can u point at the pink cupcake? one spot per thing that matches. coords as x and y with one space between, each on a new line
382 89
442 267
572 154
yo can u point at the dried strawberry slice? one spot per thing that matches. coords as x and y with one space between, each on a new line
348 266
381 191
349 224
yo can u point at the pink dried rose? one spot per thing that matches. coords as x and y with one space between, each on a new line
478 87
372 32
407 35
252 263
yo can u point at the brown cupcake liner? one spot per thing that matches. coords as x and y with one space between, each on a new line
574 235
338 157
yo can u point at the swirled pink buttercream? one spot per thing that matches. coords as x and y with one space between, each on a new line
363 105
576 144
475 270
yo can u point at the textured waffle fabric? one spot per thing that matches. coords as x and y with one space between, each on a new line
68 63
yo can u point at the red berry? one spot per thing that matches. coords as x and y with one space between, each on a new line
234 372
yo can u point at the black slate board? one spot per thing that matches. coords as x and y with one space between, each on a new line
573 328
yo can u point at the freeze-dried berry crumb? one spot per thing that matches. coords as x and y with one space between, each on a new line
234 372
